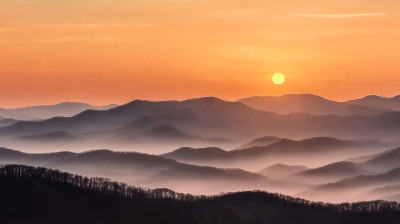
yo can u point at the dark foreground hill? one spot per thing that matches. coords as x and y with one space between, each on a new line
39 195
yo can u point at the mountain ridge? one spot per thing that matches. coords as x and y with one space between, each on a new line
39 112
305 103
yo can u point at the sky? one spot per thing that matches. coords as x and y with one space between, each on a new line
115 51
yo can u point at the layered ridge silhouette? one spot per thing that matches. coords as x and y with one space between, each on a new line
217 117
208 145
313 151
143 170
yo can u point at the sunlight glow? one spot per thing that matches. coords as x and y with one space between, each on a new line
278 78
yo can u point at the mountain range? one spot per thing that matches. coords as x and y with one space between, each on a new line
209 120
297 144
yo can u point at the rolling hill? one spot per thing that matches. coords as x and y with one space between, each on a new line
332 172
347 187
385 161
142 169
263 141
378 163
314 151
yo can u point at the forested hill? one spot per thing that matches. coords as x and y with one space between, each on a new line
39 195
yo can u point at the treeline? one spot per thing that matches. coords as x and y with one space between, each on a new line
113 188
98 184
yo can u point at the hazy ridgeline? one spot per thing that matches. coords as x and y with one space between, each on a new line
300 144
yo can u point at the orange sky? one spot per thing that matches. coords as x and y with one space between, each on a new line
114 51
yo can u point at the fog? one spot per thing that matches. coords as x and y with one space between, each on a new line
208 146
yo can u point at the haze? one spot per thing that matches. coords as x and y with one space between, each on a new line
297 97
300 145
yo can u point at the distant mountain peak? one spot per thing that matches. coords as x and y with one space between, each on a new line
374 97
196 153
207 149
262 141
206 98
138 101
281 165
289 95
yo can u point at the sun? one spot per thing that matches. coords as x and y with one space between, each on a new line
278 78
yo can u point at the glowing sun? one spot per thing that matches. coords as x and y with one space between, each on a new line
278 78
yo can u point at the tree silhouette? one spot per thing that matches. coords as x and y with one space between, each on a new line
40 195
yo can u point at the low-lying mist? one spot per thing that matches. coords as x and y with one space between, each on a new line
313 148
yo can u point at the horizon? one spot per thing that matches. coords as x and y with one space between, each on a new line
199 97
